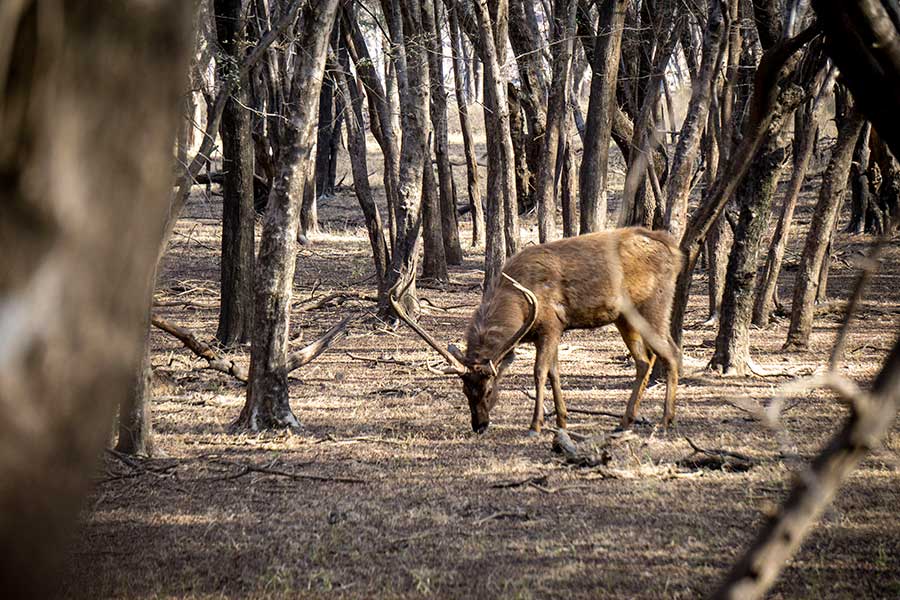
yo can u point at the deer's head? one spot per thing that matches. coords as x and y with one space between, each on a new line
479 374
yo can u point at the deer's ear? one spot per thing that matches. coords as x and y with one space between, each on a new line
456 352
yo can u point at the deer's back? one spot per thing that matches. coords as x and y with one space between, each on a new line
578 281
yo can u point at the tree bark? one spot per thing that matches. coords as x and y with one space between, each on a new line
356 146
238 212
834 184
592 179
477 210
447 202
83 87
563 27
804 134
434 261
267 404
501 217
678 186
414 154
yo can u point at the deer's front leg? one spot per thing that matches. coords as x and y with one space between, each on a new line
545 356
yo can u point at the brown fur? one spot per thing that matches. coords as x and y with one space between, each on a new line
579 283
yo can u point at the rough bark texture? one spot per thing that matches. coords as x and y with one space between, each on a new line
834 184
502 221
74 98
356 148
557 111
592 179
238 213
449 225
476 208
434 261
380 109
267 403
755 196
414 153
679 184
763 104
806 124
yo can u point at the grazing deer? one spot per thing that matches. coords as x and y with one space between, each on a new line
624 276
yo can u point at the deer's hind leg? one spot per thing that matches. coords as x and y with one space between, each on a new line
558 402
643 362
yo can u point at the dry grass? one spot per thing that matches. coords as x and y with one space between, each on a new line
428 513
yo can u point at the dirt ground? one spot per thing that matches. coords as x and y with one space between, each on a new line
388 494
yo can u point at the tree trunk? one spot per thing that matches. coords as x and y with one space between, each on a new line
502 220
238 212
563 27
434 261
380 108
860 185
592 180
732 353
74 297
267 404
477 211
356 146
414 154
135 412
834 184
678 187
764 108
309 209
447 203
524 185
569 196
804 135
525 39
324 158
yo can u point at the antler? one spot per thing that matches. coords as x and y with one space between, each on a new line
526 326
456 367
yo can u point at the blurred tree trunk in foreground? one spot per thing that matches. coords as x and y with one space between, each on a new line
91 104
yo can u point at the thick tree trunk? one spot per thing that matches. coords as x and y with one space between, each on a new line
501 217
679 182
73 332
592 179
755 196
447 202
136 412
267 404
764 107
834 184
324 184
414 154
434 261
524 184
477 211
309 207
238 213
804 134
563 28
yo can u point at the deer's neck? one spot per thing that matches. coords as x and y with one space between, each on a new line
495 322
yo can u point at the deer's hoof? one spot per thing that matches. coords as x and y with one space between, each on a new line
534 432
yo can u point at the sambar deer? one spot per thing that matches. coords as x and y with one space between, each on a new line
623 276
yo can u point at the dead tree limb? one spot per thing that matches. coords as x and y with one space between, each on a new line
201 349
310 352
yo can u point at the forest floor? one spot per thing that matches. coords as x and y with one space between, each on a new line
387 493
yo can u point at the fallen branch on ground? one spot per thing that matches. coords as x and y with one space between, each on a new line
337 298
